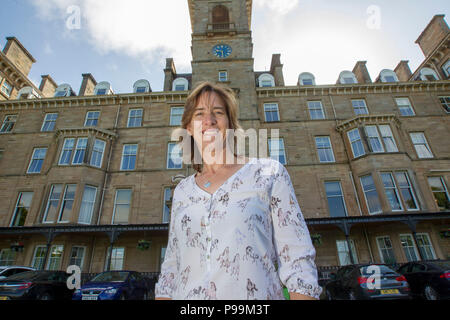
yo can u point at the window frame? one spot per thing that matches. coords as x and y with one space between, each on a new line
94 151
169 153
358 107
91 213
37 159
415 249
7 88
223 76
371 137
394 188
283 148
66 149
315 110
41 265
113 260
401 106
52 122
445 104
431 247
76 149
63 202
341 196
330 148
11 124
113 222
96 119
275 110
49 261
365 196
16 207
356 141
169 209
350 250
130 117
446 192
380 250
426 144
174 116
82 258
129 155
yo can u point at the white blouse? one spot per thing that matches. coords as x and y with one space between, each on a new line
244 241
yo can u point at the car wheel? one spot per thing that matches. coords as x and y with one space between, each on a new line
430 293
45 296
352 296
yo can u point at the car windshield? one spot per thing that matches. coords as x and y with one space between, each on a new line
29 275
383 269
443 264
110 277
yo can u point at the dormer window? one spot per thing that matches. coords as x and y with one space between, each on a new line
103 88
446 68
141 86
387 75
64 90
427 74
180 84
347 77
27 93
266 80
6 88
306 79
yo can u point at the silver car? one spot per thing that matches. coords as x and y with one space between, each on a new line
6 271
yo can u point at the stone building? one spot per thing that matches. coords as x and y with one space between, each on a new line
86 178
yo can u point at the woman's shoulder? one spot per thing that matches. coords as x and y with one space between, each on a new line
266 166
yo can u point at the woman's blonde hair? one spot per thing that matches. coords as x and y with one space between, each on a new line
231 106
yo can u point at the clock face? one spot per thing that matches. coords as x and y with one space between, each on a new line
222 50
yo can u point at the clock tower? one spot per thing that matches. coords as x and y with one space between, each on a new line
222 49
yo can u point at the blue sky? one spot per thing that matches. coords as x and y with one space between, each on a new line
124 41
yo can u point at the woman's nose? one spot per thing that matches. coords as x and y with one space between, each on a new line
209 118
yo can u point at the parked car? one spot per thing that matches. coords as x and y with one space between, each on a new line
7 271
429 280
115 285
36 285
366 282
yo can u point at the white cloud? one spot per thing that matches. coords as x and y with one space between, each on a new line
277 6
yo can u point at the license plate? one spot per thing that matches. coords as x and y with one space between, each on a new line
392 291
4 298
89 298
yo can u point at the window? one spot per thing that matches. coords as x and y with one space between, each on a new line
180 84
428 74
359 106
117 259
386 251
51 212
347 77
141 89
135 118
409 248
276 150
101 92
306 79
141 86
391 191
38 257
176 114
163 255
387 75
92 118
60 94
446 68
67 203
7 257
49 122
374 139
87 205
344 252
420 143
440 192
371 195
7 88
307 82
97 153
174 156
122 205
77 256
324 149
271 113
335 199
389 79
8 123
266 80
54 262
425 246
129 153
406 191
315 110
167 205
22 208
388 138
80 151
66 153
356 143
37 160
445 102
404 106
223 76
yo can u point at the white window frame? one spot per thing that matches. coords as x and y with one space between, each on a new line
19 199
441 179
141 84
348 250
84 248
7 257
394 188
35 258
330 148
91 206
264 79
115 206
51 122
380 249
424 143
424 72
68 142
416 252
430 246
78 147
345 75
63 202
365 196
446 68
97 119
50 257
44 219
403 103
36 150
162 256
388 73
410 187
115 262
223 76
341 196
96 151
167 212
170 147
386 134
126 148
359 107
281 147
7 88
445 103
180 81
271 108
356 141
374 135
306 76
135 118
8 124
175 115
313 108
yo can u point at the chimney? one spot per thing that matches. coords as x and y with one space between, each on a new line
18 55
361 73
47 86
434 33
276 69
169 74
87 85
403 71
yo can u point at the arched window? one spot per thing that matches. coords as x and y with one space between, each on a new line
427 74
306 79
387 75
347 77
220 17
266 80
27 93
142 86
446 68
103 88
180 84
64 90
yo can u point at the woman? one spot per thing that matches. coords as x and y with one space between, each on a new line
236 229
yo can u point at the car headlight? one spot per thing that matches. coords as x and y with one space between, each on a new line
110 291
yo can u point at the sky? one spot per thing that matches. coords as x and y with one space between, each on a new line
124 41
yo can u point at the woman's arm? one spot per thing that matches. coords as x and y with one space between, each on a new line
298 296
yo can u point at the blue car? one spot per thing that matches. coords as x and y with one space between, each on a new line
115 285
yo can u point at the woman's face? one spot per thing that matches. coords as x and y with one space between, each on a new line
210 112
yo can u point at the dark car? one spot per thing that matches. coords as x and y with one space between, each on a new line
367 282
115 285
36 285
7 271
429 280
